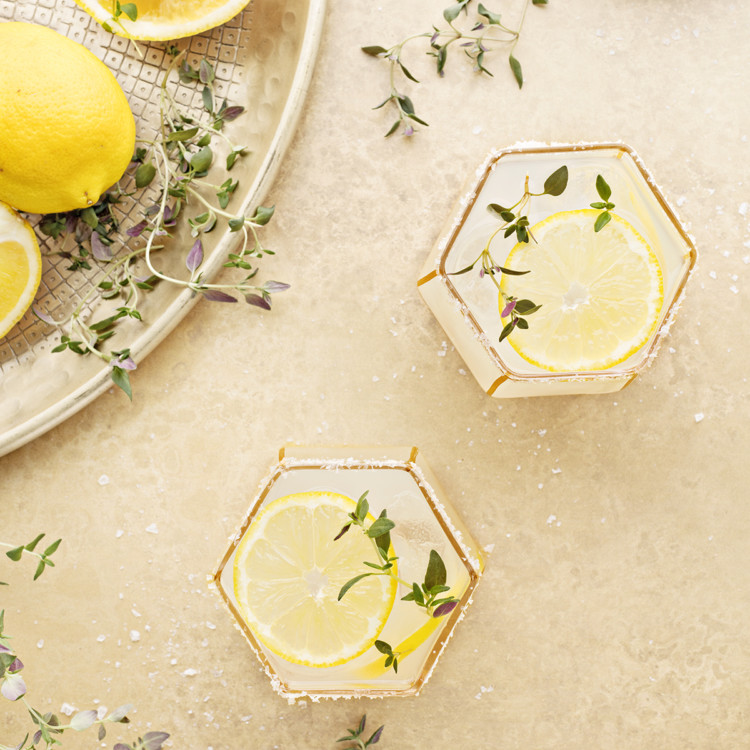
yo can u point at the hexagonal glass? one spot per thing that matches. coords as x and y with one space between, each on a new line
467 306
399 480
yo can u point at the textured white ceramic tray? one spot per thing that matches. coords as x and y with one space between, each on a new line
263 60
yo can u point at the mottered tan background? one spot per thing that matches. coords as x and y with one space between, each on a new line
614 608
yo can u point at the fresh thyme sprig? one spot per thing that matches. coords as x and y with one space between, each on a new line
486 31
605 193
514 220
130 10
48 726
355 736
177 163
429 595
16 553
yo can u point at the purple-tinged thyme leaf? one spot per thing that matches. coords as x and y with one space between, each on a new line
83 720
444 609
195 256
257 301
99 249
376 735
508 309
275 286
154 740
16 665
216 295
13 687
137 229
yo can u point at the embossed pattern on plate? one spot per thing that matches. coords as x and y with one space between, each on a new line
263 60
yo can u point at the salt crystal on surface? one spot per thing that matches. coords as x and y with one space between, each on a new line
119 533
734 289
135 636
103 479
190 672
699 417
552 519
743 208
152 529
101 638
40 643
67 709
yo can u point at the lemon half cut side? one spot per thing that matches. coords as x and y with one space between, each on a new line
159 20
600 293
20 268
288 572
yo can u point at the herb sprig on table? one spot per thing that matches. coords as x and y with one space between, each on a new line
429 595
173 168
48 728
355 736
478 37
514 221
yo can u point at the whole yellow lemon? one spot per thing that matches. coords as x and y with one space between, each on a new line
66 130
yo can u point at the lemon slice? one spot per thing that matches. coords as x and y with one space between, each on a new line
164 19
288 572
601 292
20 268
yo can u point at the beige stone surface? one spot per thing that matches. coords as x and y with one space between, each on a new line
614 608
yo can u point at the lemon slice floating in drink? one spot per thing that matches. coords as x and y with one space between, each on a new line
288 572
600 292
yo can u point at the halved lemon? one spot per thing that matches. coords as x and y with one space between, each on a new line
288 572
601 292
20 267
164 19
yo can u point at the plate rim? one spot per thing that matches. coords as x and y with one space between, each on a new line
173 314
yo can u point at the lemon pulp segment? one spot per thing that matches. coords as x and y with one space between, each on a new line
67 131
601 292
288 572
20 268
164 19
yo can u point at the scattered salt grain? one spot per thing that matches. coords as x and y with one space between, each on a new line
152 529
67 709
190 672
743 209
483 690
699 416
734 289
103 479
135 636
101 638
551 519
40 643
119 533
